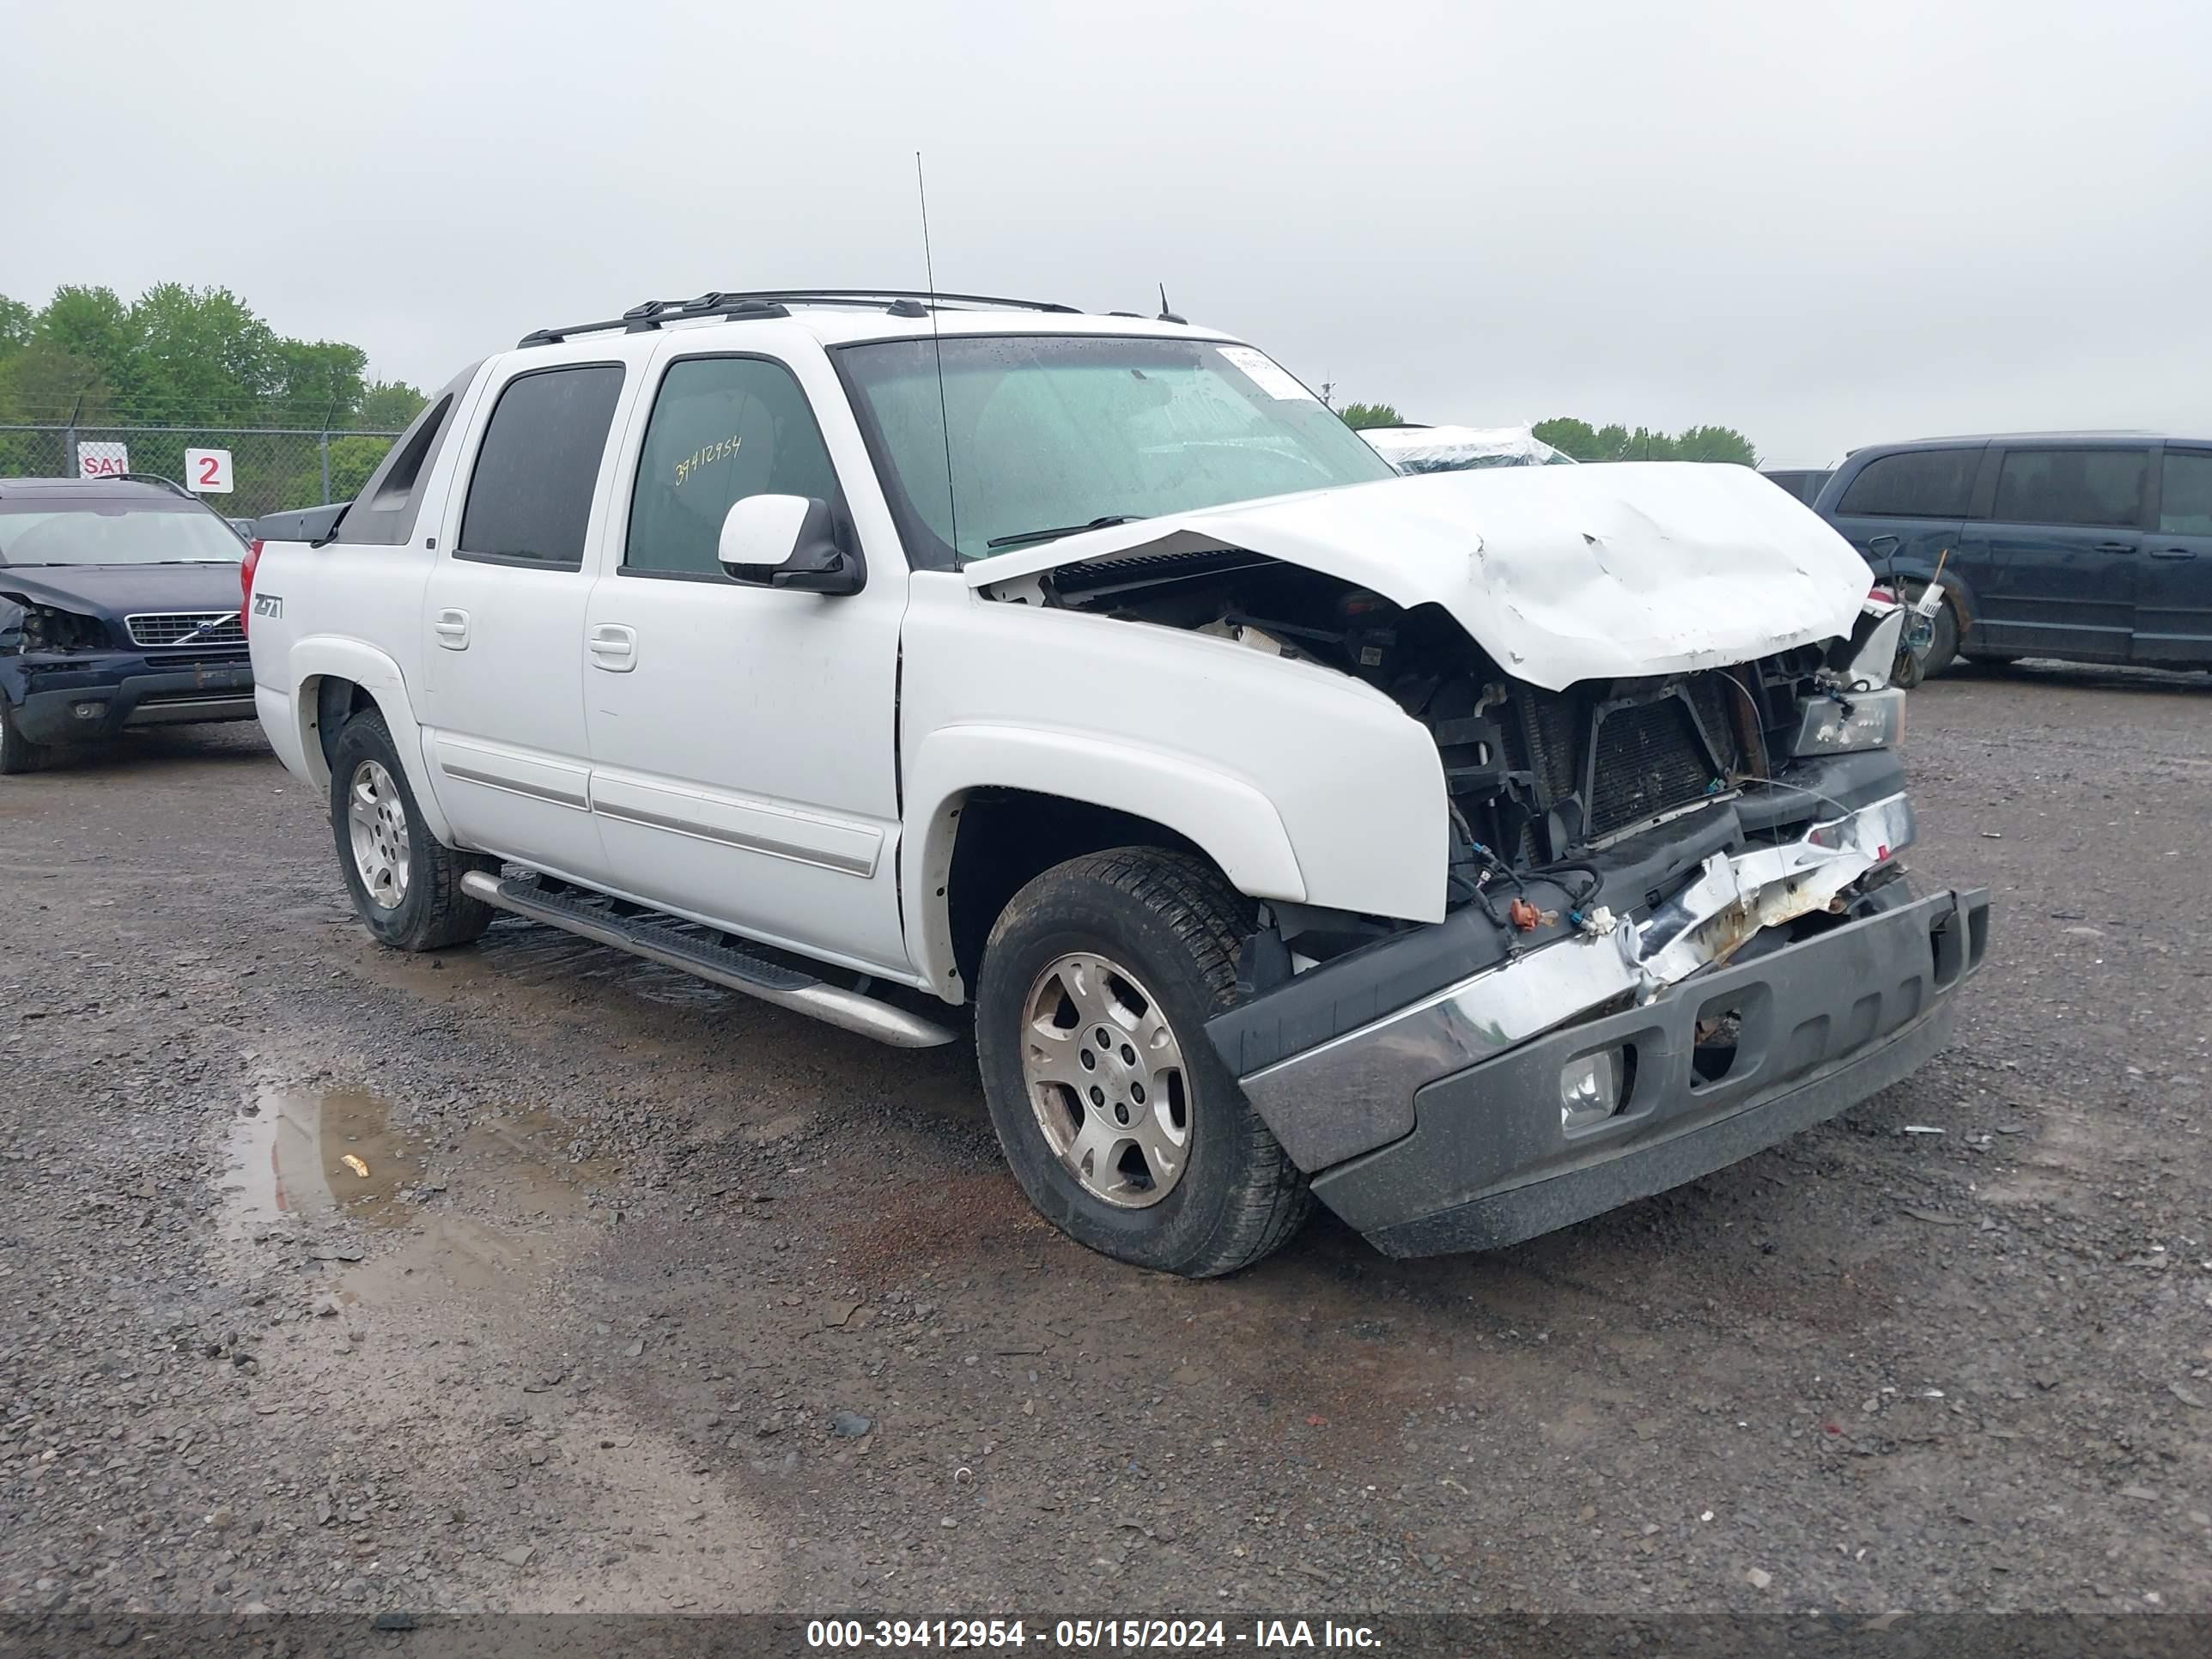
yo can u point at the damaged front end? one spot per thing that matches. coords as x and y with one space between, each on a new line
1676 928
1681 930
1541 785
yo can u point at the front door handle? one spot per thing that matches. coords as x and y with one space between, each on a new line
2173 553
613 648
451 628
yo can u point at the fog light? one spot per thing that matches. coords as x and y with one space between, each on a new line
89 711
1589 1089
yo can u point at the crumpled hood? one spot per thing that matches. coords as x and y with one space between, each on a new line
115 591
1561 573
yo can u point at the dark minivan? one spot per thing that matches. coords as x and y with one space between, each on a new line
1802 482
2090 546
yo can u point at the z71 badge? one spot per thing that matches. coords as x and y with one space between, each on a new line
267 605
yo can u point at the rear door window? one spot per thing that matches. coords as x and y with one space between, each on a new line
530 497
2186 502
2072 486
1914 484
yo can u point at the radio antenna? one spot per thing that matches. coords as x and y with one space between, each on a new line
937 344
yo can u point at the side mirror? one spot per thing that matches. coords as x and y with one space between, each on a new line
786 541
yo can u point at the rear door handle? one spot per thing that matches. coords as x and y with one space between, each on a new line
2173 553
451 628
613 648
2116 547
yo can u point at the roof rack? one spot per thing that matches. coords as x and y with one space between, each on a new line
770 302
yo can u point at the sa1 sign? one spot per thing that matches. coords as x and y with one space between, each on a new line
208 471
102 460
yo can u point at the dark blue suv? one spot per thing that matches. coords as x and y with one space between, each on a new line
2092 546
118 607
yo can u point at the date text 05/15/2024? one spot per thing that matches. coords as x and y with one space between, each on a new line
1106 1635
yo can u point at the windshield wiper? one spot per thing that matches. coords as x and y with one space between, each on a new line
1023 538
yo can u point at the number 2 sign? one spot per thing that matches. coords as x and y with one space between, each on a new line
208 471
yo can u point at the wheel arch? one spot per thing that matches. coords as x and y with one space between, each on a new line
333 678
995 806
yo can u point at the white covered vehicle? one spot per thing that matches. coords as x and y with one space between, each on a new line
1473 852
1460 448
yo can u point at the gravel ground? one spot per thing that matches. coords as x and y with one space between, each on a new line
655 1299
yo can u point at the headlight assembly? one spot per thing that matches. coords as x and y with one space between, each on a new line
1837 722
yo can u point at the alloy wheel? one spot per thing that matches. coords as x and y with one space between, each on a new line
376 824
1106 1077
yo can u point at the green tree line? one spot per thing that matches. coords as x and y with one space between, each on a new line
1356 416
180 366
1615 442
178 355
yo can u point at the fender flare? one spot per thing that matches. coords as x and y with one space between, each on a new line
1233 822
317 657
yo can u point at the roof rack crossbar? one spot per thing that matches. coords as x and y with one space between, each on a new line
863 296
769 302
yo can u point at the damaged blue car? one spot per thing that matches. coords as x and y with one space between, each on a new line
119 608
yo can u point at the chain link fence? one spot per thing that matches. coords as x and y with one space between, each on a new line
272 468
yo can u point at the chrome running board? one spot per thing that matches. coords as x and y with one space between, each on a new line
659 939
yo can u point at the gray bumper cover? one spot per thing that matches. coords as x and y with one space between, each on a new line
1356 1091
1824 1024
209 691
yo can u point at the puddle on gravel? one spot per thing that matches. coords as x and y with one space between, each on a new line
288 1157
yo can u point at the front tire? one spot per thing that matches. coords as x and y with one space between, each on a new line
406 884
1120 1121
18 754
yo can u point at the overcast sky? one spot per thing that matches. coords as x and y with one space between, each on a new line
1825 225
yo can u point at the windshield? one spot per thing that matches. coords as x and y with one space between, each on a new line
1053 433
116 530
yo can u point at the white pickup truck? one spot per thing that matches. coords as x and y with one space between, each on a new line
1471 853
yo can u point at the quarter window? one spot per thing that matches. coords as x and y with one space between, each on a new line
2072 486
2185 504
384 509
530 497
723 429
1914 484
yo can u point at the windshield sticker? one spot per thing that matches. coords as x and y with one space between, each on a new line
698 459
1265 372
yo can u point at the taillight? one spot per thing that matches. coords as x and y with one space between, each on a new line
246 584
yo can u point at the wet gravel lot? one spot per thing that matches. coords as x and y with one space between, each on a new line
646 1297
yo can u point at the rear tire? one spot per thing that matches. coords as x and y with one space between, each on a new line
18 754
406 884
1153 1158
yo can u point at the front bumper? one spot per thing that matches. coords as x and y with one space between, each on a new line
78 700
1466 1081
1825 1024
